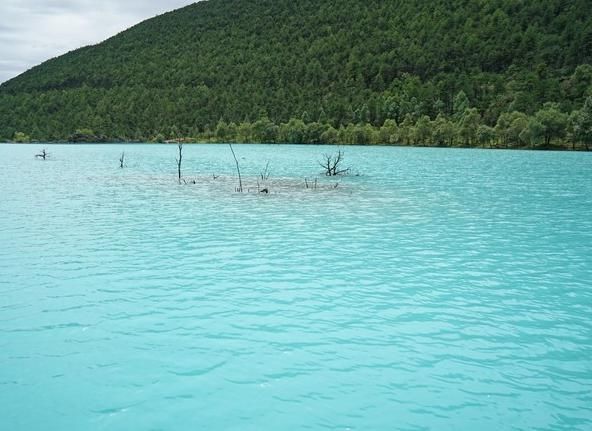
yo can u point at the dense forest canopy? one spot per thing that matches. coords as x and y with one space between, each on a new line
445 72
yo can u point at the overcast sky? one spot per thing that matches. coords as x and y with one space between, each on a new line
32 31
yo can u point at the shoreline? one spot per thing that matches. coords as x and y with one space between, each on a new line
553 148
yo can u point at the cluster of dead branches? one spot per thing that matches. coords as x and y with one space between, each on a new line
264 175
311 185
332 164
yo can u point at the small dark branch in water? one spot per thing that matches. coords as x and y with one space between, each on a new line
265 174
336 185
122 160
310 185
179 161
42 155
240 180
331 164
266 191
215 177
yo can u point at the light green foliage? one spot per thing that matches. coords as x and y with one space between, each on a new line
360 134
461 104
221 130
469 124
583 124
314 132
244 132
423 131
388 133
443 131
263 130
21 137
330 136
406 130
509 127
533 133
293 132
84 131
485 135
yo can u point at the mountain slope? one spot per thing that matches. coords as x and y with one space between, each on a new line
334 61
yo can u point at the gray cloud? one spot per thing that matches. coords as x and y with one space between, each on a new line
32 31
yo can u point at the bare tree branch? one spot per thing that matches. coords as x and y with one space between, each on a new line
265 174
240 181
179 160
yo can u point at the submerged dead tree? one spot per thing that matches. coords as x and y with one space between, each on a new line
240 180
331 164
179 160
43 154
122 160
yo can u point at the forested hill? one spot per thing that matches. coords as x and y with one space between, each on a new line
245 69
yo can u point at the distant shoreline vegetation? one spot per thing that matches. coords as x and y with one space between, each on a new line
547 129
496 73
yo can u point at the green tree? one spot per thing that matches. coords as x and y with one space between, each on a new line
245 132
388 133
330 136
554 122
461 104
510 126
583 124
423 130
313 132
485 135
469 124
293 132
533 133
264 130
221 131
407 130
444 131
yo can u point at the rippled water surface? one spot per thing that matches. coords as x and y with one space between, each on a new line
439 289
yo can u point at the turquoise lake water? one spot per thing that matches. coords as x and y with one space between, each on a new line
440 289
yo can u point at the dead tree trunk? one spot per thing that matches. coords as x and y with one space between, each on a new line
42 155
122 160
240 181
179 160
